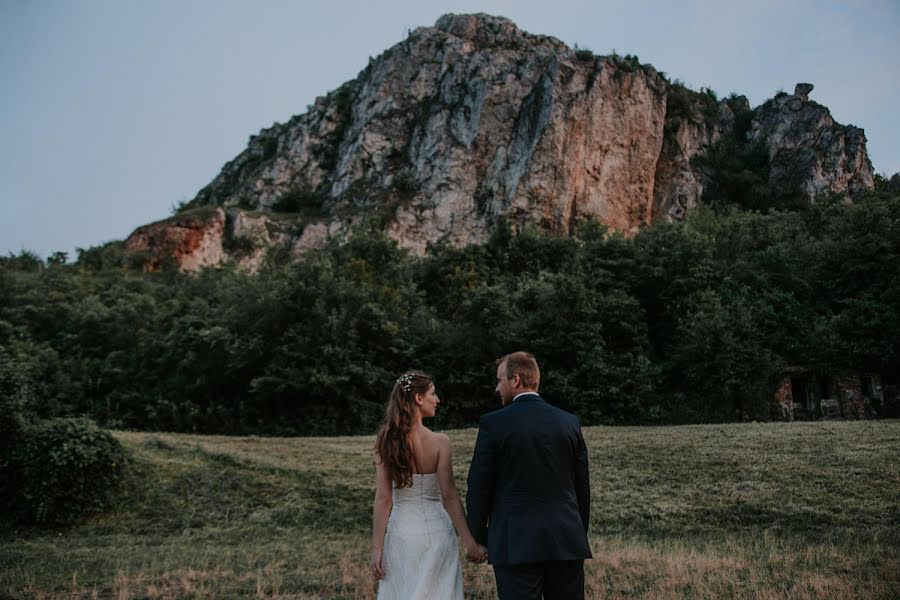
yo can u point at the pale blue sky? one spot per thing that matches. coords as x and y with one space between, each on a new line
111 111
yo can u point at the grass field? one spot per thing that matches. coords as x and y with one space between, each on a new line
769 510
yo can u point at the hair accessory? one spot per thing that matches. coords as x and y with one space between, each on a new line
405 382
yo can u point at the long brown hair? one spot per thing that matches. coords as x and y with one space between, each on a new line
393 444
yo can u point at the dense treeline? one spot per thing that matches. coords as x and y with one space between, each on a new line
685 322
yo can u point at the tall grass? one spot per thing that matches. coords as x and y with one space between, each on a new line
771 510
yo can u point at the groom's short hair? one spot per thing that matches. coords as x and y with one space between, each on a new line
523 364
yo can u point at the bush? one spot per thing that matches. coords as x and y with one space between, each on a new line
68 468
14 393
584 55
239 244
405 184
679 103
739 175
629 62
299 200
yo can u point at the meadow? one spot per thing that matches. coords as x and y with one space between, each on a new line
755 510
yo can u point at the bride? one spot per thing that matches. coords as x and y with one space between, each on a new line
417 508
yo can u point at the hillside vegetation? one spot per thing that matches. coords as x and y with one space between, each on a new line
684 322
758 510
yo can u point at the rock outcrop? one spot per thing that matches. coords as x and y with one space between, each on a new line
893 184
193 240
808 152
694 123
473 120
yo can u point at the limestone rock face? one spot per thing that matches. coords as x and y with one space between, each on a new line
808 152
193 240
689 132
251 235
474 120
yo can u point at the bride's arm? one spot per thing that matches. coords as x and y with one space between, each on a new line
380 512
452 503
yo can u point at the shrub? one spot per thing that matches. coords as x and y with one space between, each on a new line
584 54
679 103
137 259
68 468
628 63
270 147
739 175
743 116
299 200
239 244
110 255
25 261
14 395
405 184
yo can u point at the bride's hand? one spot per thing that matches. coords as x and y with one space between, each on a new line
377 571
475 552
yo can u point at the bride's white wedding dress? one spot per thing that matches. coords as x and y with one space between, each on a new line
421 555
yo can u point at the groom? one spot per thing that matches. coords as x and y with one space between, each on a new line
528 491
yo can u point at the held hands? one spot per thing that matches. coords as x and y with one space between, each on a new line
475 552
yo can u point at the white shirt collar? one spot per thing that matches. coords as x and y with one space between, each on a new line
516 397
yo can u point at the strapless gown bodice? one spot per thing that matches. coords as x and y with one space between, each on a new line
418 510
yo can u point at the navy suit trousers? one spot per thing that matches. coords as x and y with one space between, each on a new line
549 580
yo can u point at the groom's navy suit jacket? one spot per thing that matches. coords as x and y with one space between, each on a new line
529 495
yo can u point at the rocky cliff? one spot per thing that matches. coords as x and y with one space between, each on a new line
472 120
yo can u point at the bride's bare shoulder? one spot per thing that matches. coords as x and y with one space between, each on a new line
439 440
434 435
433 439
